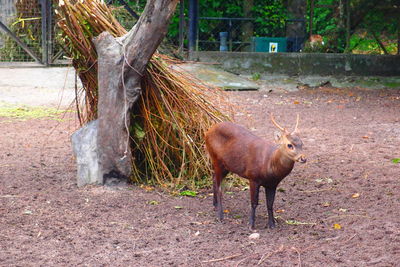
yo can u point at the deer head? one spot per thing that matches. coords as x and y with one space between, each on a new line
290 143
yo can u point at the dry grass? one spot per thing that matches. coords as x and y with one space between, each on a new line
169 120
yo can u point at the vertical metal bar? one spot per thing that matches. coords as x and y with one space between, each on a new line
50 29
192 24
181 24
347 26
230 34
398 35
310 30
45 58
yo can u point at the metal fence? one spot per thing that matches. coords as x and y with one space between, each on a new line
237 34
223 34
28 32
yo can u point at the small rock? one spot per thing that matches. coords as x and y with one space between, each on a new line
254 236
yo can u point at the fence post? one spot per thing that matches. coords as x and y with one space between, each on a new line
45 55
193 4
181 24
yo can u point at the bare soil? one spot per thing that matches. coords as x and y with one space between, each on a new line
341 208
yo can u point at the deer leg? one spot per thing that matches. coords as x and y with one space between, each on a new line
219 174
254 191
270 195
215 191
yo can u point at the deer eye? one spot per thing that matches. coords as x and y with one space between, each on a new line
290 146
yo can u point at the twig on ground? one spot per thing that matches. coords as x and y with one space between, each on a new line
347 215
350 238
222 259
245 258
264 257
316 191
299 255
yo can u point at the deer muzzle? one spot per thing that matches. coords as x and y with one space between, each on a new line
301 158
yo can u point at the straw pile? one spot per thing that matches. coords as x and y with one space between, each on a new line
170 118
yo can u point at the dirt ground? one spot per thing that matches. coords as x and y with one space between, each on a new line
341 208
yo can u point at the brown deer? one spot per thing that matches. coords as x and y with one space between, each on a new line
235 149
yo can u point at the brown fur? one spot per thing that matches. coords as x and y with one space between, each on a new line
235 149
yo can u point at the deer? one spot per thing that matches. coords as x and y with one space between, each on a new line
233 148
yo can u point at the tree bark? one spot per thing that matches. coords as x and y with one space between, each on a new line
121 64
247 26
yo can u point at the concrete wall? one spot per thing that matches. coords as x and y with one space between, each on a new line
304 63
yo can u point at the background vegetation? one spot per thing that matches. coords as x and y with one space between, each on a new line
374 25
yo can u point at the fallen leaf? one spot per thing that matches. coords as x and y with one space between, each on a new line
337 226
280 211
326 204
226 211
178 207
147 188
296 102
188 193
294 222
153 202
342 210
365 137
355 195
396 160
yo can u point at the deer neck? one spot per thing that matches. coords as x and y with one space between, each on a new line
281 165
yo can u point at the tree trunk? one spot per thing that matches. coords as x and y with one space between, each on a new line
247 26
121 65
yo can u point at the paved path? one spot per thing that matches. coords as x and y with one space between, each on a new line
37 86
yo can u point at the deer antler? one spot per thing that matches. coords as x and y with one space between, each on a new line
297 123
276 124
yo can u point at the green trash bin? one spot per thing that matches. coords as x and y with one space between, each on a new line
268 44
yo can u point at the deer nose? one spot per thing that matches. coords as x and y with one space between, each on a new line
302 159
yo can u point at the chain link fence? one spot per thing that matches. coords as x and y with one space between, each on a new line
28 32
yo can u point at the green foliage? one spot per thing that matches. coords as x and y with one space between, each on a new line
396 160
188 193
256 76
315 48
270 18
362 43
26 113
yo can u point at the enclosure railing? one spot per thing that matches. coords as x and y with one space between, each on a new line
226 34
236 34
28 33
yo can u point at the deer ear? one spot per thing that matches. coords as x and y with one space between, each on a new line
277 136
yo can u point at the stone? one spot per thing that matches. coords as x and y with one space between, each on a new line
84 145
